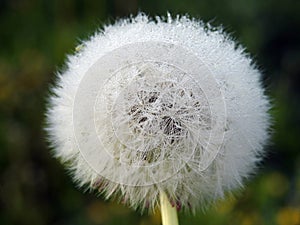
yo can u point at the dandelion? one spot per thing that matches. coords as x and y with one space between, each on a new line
167 112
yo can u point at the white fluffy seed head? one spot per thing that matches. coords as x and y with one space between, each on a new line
159 105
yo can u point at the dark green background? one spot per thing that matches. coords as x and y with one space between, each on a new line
35 37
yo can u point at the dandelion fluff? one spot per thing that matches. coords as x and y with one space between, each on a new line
166 105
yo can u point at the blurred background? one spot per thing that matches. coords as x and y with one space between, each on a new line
36 35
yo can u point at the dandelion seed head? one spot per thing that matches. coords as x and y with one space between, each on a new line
159 105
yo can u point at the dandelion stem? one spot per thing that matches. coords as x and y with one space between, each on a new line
168 212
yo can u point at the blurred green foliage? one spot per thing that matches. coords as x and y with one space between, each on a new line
35 37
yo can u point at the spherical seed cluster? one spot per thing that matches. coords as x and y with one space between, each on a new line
166 105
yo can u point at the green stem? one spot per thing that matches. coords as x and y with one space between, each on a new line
168 212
